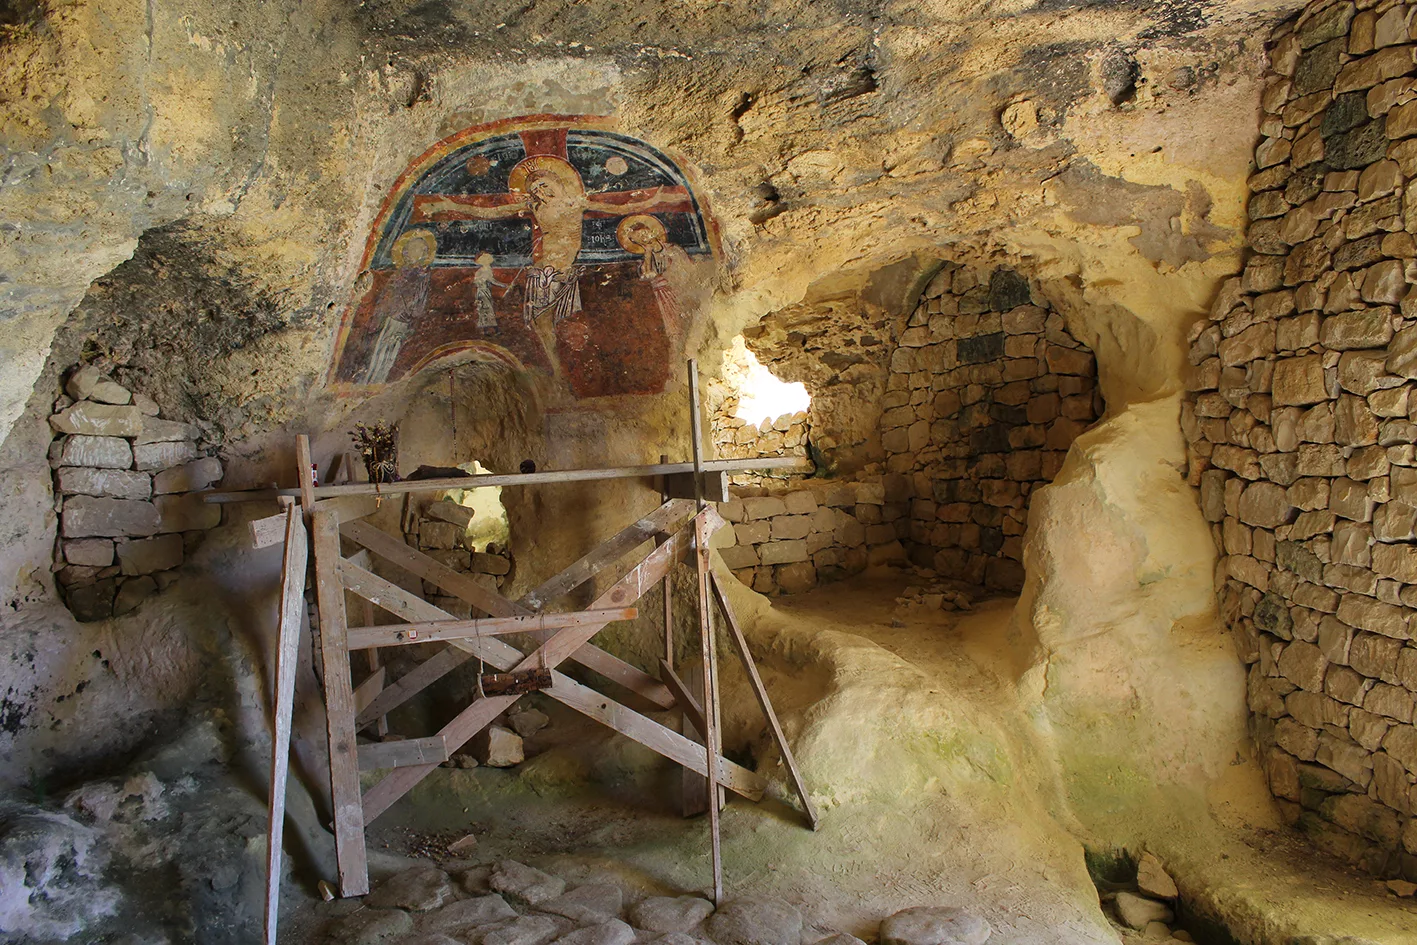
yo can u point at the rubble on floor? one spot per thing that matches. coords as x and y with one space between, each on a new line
511 903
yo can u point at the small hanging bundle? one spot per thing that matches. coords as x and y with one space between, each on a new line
515 683
378 447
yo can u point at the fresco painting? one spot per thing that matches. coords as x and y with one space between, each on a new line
552 244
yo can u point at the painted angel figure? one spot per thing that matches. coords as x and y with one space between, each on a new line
483 280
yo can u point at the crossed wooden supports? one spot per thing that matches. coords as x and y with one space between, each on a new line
561 637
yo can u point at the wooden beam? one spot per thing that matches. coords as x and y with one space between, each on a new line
410 684
669 517
465 588
688 703
712 739
402 753
306 482
713 485
367 691
456 583
292 608
271 529
350 855
402 634
484 480
740 643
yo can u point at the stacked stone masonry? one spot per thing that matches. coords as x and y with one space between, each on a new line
440 530
789 542
126 483
986 393
1301 425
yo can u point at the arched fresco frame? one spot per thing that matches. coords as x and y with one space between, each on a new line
549 242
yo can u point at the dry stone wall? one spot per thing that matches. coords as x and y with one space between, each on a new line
986 393
127 486
816 532
1301 427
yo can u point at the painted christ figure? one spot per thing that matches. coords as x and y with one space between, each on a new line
550 191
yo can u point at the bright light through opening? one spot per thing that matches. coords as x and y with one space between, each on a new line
761 396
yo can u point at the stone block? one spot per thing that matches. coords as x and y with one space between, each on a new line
189 477
89 552
752 533
94 419
785 552
186 512
102 452
760 507
116 483
133 592
800 503
732 511
786 527
737 557
444 510
155 456
1389 701
499 747
148 555
796 578
1304 665
99 517
1299 381
1264 504
156 430
1364 613
438 535
483 563
1371 328
870 493
89 383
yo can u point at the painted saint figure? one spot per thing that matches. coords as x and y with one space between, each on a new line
483 280
401 301
551 192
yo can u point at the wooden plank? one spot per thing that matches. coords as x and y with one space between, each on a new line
410 684
565 690
292 608
402 634
368 690
669 517
350 855
402 753
464 588
306 482
740 643
693 788
688 703
271 529
713 486
712 740
455 583
483 480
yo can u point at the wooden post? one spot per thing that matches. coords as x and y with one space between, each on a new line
307 478
712 739
350 855
292 604
668 585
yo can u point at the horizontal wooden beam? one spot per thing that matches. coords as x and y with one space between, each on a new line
483 480
403 634
402 753
271 529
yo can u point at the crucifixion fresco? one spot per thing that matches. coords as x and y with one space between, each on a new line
548 243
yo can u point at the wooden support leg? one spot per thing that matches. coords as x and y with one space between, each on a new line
292 605
712 741
693 797
350 854
740 643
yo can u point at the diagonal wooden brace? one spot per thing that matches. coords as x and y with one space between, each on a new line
465 588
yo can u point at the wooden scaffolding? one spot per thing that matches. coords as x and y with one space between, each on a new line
329 518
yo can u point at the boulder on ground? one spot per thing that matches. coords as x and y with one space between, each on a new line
418 890
611 932
525 883
369 927
594 902
934 925
756 921
468 914
1136 911
528 722
670 913
498 747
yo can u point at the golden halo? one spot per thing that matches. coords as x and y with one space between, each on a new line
399 253
622 232
544 164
